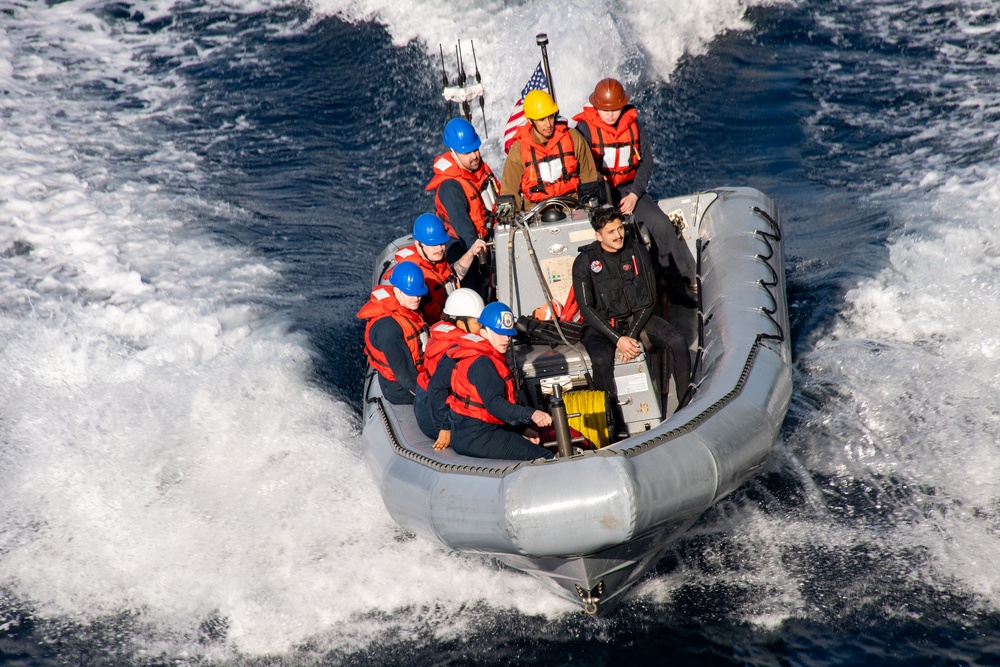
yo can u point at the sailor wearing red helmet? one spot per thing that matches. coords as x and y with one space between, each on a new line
624 157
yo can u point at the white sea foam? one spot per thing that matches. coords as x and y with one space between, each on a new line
163 450
588 40
914 355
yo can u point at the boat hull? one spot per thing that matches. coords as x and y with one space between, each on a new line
591 525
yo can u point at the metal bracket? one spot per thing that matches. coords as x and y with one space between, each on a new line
592 597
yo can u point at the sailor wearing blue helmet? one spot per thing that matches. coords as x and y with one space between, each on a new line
395 332
486 421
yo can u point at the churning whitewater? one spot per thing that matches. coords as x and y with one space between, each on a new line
191 197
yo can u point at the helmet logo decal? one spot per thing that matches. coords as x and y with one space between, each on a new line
507 320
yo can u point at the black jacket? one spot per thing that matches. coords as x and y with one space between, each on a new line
619 286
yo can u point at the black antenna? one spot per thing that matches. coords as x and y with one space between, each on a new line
479 80
466 108
543 40
444 78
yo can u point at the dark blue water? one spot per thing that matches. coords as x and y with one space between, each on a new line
871 537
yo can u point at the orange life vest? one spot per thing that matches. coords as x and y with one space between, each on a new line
464 398
384 304
615 147
550 170
480 187
444 336
437 275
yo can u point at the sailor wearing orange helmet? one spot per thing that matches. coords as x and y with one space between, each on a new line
621 149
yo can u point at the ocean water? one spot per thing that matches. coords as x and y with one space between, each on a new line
191 198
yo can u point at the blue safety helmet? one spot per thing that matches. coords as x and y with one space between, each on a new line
429 230
498 318
460 136
408 278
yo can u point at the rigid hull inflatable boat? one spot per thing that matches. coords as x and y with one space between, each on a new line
591 524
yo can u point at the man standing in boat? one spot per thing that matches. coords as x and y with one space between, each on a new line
428 252
625 158
465 195
395 333
616 292
486 421
547 158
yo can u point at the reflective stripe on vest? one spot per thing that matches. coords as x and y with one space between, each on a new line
464 398
550 169
383 304
615 147
443 337
480 189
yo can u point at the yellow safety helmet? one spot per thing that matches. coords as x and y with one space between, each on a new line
539 104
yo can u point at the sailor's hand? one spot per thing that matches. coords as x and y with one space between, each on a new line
541 418
443 441
628 348
627 204
478 247
532 436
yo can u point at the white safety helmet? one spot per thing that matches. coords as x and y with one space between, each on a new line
464 302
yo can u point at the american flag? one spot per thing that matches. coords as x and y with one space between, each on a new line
536 82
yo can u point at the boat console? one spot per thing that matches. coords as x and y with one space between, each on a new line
534 255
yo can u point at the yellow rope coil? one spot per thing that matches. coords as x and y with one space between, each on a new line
593 422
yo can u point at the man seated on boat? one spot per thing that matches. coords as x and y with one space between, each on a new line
430 405
548 158
395 333
616 293
465 196
486 421
625 159
428 252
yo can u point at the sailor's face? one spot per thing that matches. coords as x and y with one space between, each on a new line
472 325
612 236
610 117
433 253
545 126
407 301
470 161
499 341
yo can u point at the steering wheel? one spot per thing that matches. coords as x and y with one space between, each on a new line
567 204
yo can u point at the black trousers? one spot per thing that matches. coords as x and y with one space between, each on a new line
662 335
674 257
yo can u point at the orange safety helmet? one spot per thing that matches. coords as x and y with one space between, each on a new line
609 95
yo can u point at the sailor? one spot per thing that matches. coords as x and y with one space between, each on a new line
465 195
395 333
547 158
428 252
486 421
430 406
615 291
625 158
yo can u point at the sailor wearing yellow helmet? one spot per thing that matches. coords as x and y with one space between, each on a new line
547 158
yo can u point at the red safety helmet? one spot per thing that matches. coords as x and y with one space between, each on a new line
609 95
